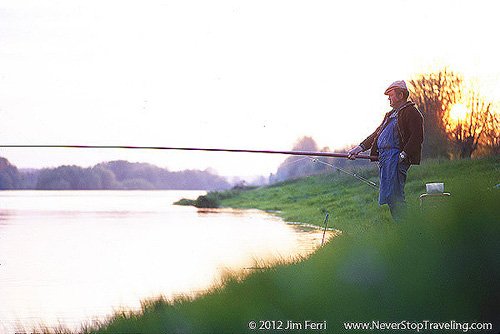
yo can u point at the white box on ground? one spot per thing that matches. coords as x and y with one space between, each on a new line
434 188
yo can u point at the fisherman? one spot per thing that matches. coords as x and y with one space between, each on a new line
398 144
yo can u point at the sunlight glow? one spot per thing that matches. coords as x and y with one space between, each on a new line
458 112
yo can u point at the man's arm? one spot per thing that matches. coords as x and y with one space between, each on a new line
365 144
416 128
368 142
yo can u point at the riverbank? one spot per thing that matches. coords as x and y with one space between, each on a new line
441 265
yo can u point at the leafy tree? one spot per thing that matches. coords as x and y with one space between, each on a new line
300 166
28 178
60 178
9 175
107 179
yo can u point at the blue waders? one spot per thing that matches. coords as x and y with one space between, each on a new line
392 172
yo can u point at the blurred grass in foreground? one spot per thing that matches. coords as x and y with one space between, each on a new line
440 265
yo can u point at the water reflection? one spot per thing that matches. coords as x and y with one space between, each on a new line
72 256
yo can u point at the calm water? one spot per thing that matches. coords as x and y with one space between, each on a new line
68 256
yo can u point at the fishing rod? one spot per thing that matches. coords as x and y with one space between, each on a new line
299 153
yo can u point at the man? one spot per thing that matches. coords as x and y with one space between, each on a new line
398 144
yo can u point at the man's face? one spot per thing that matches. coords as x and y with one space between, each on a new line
395 97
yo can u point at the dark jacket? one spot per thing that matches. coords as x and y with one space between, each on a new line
411 133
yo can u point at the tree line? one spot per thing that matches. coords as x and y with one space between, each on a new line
114 175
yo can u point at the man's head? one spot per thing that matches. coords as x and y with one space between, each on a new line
398 93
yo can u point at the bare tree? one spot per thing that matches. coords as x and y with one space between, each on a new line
491 139
435 94
466 133
478 131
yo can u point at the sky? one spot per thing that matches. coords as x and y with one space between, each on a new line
231 74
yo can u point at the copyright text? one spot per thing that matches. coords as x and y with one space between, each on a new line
287 325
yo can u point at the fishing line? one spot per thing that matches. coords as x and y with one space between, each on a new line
359 177
293 162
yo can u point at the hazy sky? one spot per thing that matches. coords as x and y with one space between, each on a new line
237 74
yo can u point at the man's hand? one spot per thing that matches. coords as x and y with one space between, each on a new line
351 154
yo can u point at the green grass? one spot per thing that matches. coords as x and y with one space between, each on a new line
440 265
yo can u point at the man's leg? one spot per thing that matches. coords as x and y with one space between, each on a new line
397 206
398 211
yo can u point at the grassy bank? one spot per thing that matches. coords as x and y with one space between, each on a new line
440 265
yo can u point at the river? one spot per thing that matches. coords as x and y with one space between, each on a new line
69 257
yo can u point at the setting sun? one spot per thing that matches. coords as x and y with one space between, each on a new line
458 112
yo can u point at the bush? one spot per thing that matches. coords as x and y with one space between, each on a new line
207 202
